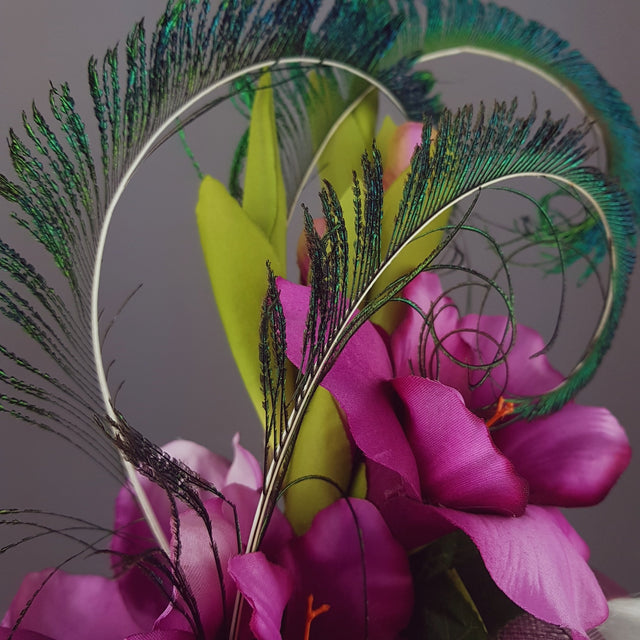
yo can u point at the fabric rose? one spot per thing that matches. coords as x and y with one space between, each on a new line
346 542
433 466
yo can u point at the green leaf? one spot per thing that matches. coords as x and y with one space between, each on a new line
236 251
322 449
264 200
384 137
343 153
451 569
494 606
443 611
443 608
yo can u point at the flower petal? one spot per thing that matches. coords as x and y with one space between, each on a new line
267 587
358 382
244 469
20 634
71 607
458 463
346 542
140 593
133 534
522 374
172 634
198 565
537 560
571 458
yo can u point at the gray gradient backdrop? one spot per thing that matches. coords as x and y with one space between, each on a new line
169 350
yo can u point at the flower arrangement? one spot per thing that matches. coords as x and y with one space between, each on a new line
418 444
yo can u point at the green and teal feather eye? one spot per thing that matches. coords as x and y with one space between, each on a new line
65 194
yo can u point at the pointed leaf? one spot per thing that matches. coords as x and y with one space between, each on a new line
264 198
343 153
384 137
322 449
236 251
443 609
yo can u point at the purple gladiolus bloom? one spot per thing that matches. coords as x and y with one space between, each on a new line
433 466
347 542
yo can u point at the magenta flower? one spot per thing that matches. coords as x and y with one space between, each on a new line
433 466
326 563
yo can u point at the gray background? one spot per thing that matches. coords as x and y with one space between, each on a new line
179 378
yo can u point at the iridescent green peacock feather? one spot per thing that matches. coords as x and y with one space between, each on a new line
311 74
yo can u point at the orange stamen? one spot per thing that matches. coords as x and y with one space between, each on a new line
503 409
312 614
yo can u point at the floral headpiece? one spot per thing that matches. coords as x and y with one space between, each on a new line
418 443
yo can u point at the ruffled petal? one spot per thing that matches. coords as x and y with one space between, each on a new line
358 382
267 587
522 373
458 463
246 500
71 607
244 469
571 458
537 560
133 536
198 564
347 541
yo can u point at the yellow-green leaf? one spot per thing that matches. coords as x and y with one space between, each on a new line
358 488
322 449
264 199
343 152
236 251
383 139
